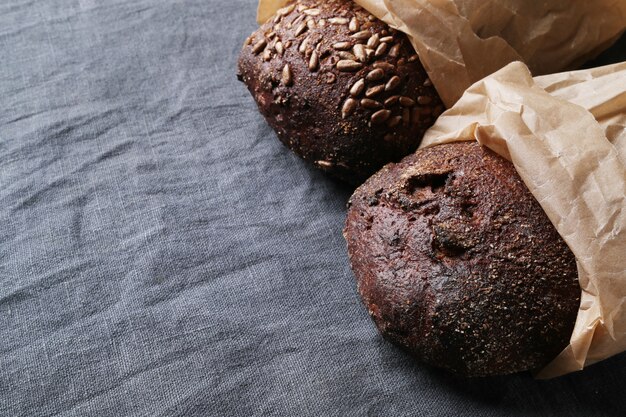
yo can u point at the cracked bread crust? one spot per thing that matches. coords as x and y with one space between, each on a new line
458 264
340 88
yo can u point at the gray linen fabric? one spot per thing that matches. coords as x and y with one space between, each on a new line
162 254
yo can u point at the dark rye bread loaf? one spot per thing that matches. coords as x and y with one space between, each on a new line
340 88
457 262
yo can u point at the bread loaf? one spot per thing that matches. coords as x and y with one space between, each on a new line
457 262
340 88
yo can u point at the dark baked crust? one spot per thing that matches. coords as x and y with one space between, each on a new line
309 104
457 262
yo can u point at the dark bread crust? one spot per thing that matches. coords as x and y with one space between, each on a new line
457 262
307 108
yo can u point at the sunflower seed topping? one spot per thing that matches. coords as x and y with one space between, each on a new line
303 45
362 35
391 101
259 46
406 101
310 23
348 65
413 58
321 23
424 100
287 78
301 29
373 41
346 55
359 52
349 106
311 12
394 51
314 61
385 66
370 104
375 75
374 91
393 83
386 39
279 48
324 164
380 116
338 20
286 10
353 26
380 51
267 54
342 46
357 88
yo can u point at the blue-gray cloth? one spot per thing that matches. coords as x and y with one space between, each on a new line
161 254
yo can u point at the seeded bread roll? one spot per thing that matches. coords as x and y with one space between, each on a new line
457 262
340 88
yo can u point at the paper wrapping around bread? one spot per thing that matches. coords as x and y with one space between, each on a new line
566 135
462 41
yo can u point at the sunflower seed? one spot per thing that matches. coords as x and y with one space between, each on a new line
330 78
424 100
406 116
428 83
271 35
287 78
346 55
278 18
342 46
338 20
298 19
393 83
321 23
385 66
267 55
391 101
362 35
375 75
310 23
374 91
370 104
373 41
413 58
357 88
380 51
359 52
380 116
286 10
287 44
303 45
311 12
394 51
248 41
301 29
259 46
406 101
314 61
324 164
348 65
349 106
302 7
386 39
394 121
353 26
369 53
371 18
279 48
